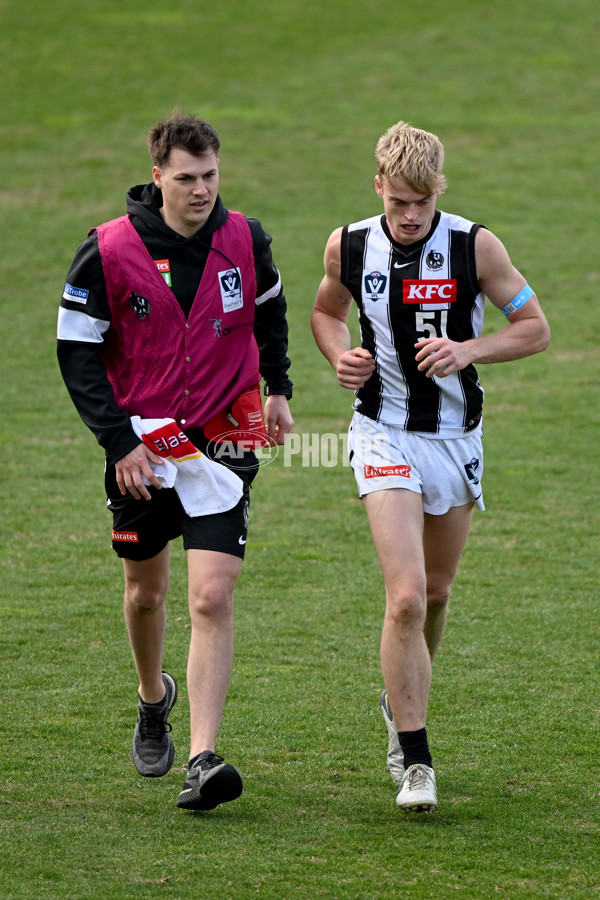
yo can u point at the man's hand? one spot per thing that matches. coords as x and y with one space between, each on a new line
441 356
279 418
130 470
354 368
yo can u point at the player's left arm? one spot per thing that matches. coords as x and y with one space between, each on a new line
271 334
278 418
526 332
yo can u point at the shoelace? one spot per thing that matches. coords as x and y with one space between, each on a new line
209 762
153 725
418 778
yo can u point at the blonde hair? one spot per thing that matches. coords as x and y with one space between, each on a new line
415 155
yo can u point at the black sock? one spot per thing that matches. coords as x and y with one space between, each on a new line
415 747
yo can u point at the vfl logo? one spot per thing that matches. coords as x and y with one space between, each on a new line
471 470
429 291
140 305
375 284
230 283
434 260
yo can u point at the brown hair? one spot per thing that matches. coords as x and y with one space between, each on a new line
186 132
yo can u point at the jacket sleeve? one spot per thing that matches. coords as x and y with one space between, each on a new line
84 318
270 320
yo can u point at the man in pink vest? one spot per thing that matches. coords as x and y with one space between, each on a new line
170 317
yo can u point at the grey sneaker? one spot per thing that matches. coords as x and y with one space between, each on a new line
395 757
210 781
153 751
418 791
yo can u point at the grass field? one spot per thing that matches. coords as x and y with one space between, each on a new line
299 93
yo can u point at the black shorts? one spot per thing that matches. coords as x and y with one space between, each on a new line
142 528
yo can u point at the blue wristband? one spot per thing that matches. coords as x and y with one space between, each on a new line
525 294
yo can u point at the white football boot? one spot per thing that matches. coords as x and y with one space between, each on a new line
395 757
418 790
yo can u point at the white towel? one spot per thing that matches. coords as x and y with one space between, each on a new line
204 486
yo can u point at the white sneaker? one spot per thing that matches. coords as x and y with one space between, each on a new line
418 791
395 757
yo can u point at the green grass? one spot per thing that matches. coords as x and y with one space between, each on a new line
300 92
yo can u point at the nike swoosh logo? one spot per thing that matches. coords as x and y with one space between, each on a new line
241 540
401 265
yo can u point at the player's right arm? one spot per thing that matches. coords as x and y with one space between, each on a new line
83 320
353 366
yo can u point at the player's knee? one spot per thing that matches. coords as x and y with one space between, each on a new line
438 595
212 600
406 607
142 597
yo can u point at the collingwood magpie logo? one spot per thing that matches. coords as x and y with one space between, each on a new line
375 284
140 305
471 470
434 260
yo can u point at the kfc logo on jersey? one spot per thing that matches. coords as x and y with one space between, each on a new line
230 283
375 284
429 291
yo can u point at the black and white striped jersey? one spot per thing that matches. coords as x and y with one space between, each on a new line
405 293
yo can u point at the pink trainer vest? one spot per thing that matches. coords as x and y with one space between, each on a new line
159 363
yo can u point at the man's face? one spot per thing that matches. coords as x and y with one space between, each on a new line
409 214
189 186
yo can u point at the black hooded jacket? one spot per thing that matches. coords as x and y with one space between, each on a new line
82 369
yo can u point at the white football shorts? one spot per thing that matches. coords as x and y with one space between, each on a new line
446 471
